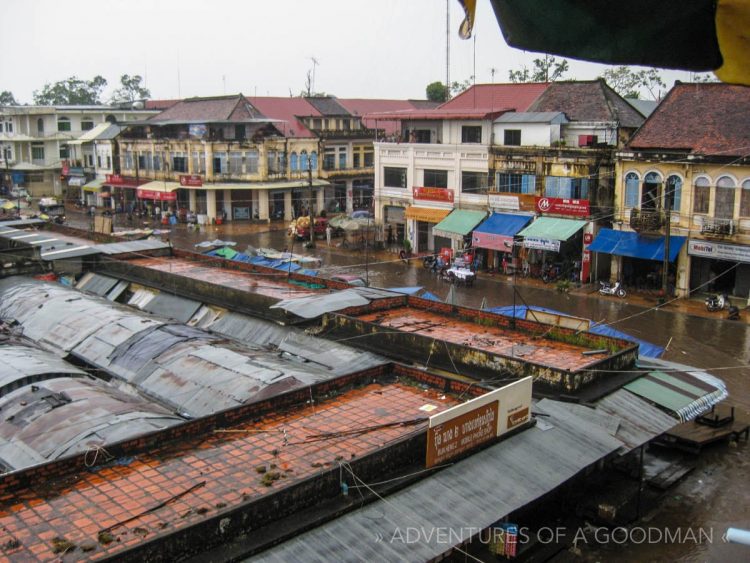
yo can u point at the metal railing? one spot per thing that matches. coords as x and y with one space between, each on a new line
716 226
647 220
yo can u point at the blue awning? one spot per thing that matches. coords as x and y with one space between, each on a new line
622 243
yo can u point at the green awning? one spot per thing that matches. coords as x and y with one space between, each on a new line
93 186
458 224
552 228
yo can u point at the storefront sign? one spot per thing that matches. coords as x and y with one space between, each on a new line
559 206
525 201
504 202
521 165
395 214
117 180
719 251
158 196
476 422
433 194
502 243
191 180
542 243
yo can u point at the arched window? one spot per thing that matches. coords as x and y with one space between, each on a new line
673 193
63 124
293 161
725 196
650 194
701 195
87 123
631 189
303 160
745 199
40 125
314 160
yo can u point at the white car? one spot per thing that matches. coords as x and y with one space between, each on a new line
19 193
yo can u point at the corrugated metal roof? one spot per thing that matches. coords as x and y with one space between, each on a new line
19 363
172 307
471 494
532 117
63 416
96 283
190 370
132 246
317 305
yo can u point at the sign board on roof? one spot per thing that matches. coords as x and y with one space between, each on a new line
479 421
498 201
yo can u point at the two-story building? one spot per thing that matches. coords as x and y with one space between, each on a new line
685 175
516 151
38 143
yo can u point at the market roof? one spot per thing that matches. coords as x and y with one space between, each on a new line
327 105
317 305
210 110
591 100
287 110
719 127
22 364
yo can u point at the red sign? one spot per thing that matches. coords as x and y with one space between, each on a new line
158 196
559 206
433 194
191 180
117 180
65 169
501 243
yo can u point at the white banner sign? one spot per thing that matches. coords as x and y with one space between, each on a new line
719 251
504 202
541 243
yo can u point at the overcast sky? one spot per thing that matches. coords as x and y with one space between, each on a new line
365 48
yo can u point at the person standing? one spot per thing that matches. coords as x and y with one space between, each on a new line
329 233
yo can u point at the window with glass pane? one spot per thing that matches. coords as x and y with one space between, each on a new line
701 195
673 194
63 124
179 162
128 160
293 164
303 161
631 189
314 160
220 163
369 158
235 163
422 135
471 134
474 182
394 177
512 137
342 159
40 125
157 162
436 178
355 160
64 151
745 199
87 124
516 183
329 159
142 161
567 188
9 126
725 196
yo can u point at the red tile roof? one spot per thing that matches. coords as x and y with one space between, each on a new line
517 97
702 118
286 109
220 108
363 106
159 104
589 100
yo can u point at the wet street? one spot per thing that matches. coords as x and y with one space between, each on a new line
714 496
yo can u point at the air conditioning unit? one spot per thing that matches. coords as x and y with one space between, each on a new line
587 140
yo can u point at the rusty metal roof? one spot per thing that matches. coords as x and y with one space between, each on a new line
20 365
58 417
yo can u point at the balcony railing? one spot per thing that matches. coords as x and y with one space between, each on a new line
646 221
715 226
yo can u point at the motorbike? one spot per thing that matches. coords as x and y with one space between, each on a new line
606 288
550 273
429 262
734 313
717 302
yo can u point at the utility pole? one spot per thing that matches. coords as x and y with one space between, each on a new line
311 244
447 51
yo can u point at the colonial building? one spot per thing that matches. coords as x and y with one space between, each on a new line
515 150
37 143
686 173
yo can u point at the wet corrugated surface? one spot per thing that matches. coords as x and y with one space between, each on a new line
96 284
496 340
58 417
187 369
127 247
270 284
20 364
172 307
206 476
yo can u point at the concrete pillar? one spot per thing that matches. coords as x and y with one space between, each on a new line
192 201
211 204
320 200
228 203
615 272
263 205
288 210
349 197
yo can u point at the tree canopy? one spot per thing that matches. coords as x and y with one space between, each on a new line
630 83
436 91
130 89
547 69
71 91
7 98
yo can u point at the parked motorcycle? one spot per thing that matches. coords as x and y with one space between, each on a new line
733 313
429 262
550 272
606 288
717 302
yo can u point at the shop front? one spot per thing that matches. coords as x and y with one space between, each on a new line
637 260
420 222
494 240
719 267
394 218
551 243
454 231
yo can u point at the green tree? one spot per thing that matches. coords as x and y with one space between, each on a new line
706 77
547 69
130 89
7 98
72 91
436 92
630 83
458 87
